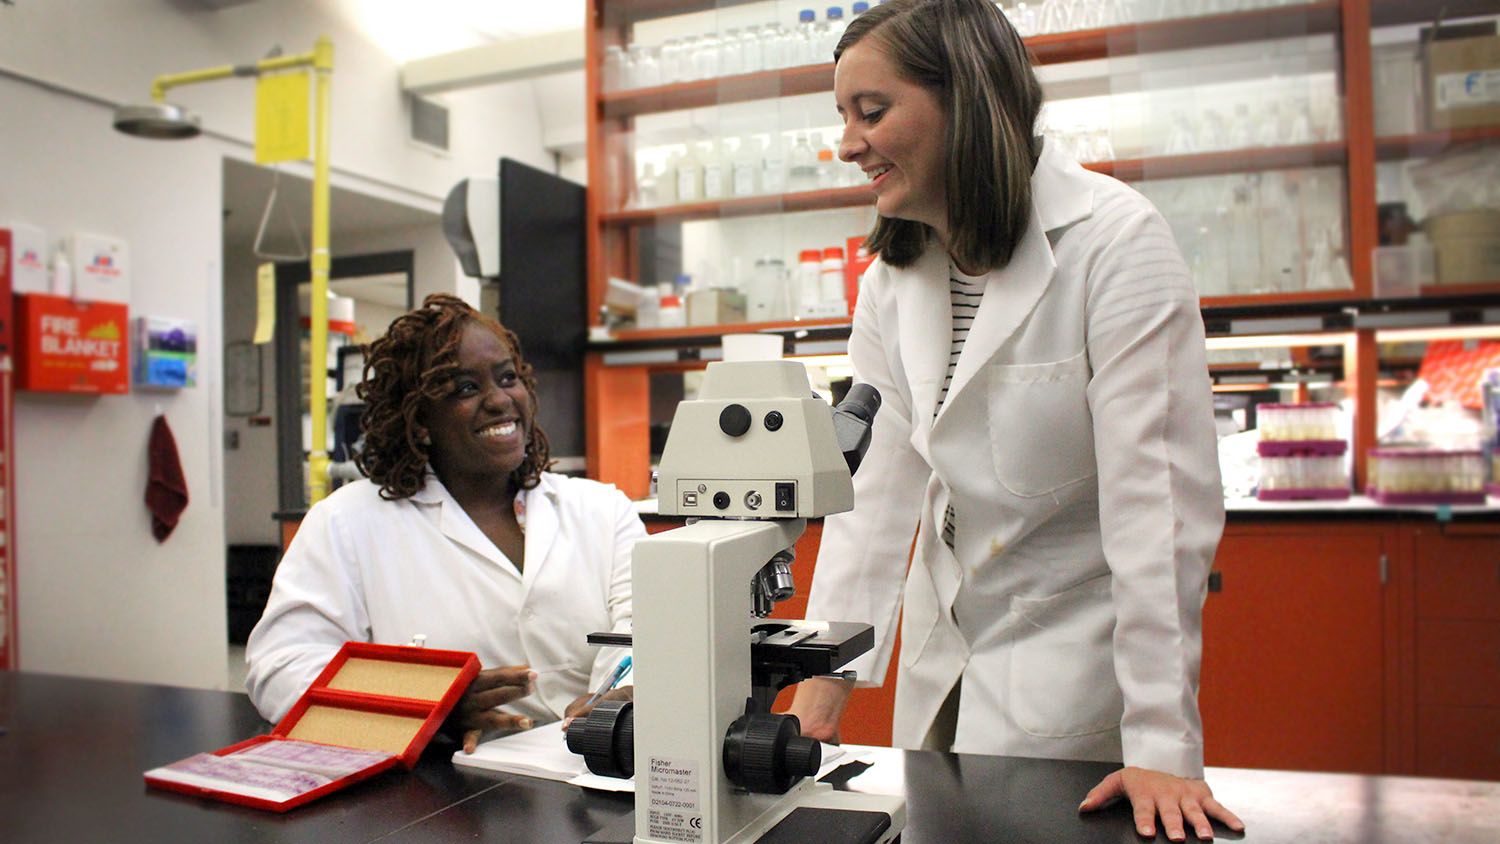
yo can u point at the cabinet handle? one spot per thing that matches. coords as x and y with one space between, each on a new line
1215 581
1385 569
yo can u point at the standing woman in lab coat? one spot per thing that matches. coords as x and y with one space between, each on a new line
459 534
1047 427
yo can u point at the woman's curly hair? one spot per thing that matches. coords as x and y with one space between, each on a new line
407 370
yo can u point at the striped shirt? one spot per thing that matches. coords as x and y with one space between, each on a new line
964 293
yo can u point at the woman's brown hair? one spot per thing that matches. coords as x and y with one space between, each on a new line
412 366
968 54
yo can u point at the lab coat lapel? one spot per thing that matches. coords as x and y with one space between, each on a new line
1061 195
456 524
543 540
926 330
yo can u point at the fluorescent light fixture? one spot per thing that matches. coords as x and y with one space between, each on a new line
1278 341
405 30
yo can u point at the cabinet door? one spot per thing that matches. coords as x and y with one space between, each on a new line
1293 665
1457 650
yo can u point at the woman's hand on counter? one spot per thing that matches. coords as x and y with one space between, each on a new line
475 712
1175 799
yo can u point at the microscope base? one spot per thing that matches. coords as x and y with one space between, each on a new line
816 813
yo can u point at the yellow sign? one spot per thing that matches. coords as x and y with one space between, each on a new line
265 303
281 125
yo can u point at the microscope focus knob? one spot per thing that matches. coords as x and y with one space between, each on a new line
765 753
734 420
606 739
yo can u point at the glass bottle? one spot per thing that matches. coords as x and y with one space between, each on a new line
802 172
744 169
773 169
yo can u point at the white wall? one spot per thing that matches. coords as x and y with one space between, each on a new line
97 595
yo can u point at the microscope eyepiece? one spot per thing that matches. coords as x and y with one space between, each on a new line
862 401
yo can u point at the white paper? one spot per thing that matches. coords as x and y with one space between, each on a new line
537 752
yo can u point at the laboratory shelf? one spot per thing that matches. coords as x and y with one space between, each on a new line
1131 170
1401 12
1428 144
815 200
1055 48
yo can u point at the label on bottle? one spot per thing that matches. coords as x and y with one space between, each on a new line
744 179
773 174
713 180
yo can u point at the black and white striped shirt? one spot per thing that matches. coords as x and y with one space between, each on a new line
964 293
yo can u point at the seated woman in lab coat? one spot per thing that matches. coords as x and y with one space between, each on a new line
1047 428
459 534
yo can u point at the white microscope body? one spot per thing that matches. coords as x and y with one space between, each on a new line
752 458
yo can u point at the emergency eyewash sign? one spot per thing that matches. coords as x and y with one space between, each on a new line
72 347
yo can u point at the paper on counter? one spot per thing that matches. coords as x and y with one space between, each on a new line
538 752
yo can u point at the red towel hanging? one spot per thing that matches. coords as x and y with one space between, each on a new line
166 490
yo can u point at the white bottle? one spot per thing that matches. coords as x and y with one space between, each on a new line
645 187
62 275
744 169
802 172
666 183
690 176
809 281
831 281
731 53
715 175
614 67
828 174
773 165
806 40
772 46
836 25
752 57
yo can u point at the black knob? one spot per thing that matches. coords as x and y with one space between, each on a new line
764 753
606 739
734 420
773 421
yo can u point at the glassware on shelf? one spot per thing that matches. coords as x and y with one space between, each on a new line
806 40
744 169
614 68
802 169
773 166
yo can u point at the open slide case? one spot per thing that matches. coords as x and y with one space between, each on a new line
372 708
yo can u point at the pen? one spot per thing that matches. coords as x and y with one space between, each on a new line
609 683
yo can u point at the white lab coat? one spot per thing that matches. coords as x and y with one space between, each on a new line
365 569
1076 446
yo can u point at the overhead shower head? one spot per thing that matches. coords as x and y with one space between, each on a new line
157 121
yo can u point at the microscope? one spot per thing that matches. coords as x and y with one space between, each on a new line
747 462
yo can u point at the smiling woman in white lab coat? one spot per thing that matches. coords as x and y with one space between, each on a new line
459 535
1047 426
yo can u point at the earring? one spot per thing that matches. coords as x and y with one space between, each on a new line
424 439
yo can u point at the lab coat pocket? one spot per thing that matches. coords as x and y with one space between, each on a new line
1041 431
919 614
1062 672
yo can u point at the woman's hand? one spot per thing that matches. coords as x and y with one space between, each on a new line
1154 793
582 706
819 706
475 712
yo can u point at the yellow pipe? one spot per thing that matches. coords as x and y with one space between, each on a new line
318 459
321 60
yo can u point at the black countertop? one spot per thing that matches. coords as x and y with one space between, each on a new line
73 751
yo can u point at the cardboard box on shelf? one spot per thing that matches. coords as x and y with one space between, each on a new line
715 306
1463 82
1467 245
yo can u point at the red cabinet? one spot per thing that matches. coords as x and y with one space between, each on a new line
1293 648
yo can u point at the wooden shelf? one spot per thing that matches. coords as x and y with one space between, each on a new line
1223 162
1130 170
1059 48
1427 144
765 85
1398 12
693 335
817 200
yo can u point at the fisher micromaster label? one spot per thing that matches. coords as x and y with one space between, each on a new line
673 814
